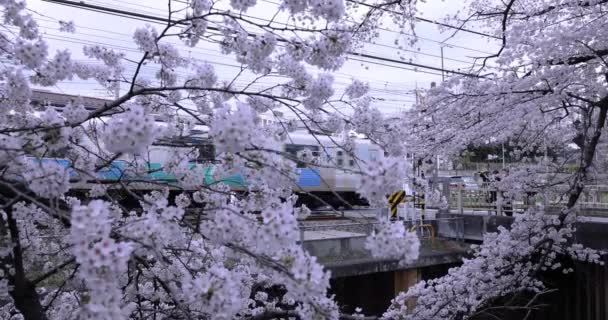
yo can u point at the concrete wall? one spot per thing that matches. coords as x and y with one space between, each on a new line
472 227
373 292
347 256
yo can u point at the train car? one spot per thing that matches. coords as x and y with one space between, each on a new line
332 182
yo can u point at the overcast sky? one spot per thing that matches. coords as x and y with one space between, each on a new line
394 83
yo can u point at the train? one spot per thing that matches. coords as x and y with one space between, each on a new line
317 186
333 185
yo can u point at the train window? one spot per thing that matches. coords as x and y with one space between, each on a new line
373 155
339 158
50 137
206 152
59 153
293 150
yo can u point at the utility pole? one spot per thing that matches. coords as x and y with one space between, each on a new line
442 70
503 154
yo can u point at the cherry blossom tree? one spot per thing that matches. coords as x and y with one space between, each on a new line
545 88
65 256
92 256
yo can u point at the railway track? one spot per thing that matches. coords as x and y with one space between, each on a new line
316 215
324 215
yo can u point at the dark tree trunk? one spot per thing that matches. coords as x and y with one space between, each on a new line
23 291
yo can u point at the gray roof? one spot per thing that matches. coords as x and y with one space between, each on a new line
42 97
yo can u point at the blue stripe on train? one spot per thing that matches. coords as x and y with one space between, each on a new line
113 171
62 162
309 177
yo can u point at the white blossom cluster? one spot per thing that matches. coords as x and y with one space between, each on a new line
188 175
204 77
14 15
159 224
59 68
145 38
393 241
211 254
255 52
261 104
278 230
242 5
58 137
366 120
47 179
197 26
108 56
156 257
31 54
507 262
327 50
101 259
16 90
233 131
357 89
332 123
267 171
67 26
75 112
130 132
318 91
218 293
381 177
331 10
275 239
10 148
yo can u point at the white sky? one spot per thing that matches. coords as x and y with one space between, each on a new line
393 83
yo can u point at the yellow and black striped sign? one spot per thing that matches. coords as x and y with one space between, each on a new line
419 201
394 199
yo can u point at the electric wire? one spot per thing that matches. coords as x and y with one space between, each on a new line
156 19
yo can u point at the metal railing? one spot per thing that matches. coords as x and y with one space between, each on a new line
594 199
452 228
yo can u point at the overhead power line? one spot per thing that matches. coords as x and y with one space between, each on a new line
64 38
190 49
429 21
442 43
421 19
400 32
156 19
